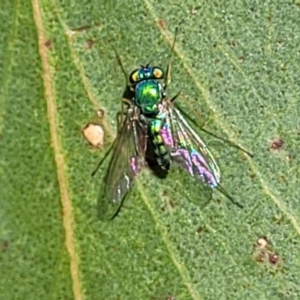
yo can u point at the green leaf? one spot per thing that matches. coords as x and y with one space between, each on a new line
237 65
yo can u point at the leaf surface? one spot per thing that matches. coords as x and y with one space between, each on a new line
237 65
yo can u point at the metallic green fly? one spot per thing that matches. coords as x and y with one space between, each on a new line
152 123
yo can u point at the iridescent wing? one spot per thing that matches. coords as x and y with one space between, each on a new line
189 151
187 148
126 162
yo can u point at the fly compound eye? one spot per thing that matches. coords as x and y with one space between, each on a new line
134 76
158 73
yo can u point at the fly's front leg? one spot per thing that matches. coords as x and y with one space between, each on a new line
120 120
120 115
144 124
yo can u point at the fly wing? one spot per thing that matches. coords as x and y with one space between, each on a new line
187 148
189 151
126 161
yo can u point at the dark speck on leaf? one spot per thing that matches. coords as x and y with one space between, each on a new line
273 259
89 44
164 193
276 143
200 229
5 246
282 178
47 44
252 176
100 113
161 24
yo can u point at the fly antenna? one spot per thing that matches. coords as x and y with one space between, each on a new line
118 57
168 70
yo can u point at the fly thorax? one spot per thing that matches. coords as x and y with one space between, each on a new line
148 95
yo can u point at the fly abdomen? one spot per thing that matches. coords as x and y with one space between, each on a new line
160 151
